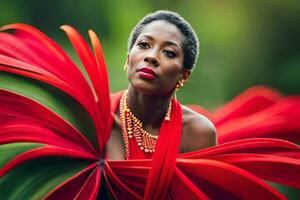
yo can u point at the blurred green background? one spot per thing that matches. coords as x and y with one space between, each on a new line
243 43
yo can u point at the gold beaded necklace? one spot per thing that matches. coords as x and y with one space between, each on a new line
132 127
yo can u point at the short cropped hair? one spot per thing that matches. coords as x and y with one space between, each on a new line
190 43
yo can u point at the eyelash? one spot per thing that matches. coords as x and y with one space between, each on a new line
143 44
168 53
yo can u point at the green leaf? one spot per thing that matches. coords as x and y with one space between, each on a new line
34 179
288 192
56 100
9 151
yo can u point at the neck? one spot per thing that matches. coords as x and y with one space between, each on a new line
149 109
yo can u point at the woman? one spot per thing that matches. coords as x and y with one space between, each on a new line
55 126
162 52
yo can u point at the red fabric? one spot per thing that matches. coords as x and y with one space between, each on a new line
164 159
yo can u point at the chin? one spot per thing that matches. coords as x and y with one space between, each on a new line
144 87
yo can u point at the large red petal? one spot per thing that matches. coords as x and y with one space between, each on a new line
250 101
219 180
71 187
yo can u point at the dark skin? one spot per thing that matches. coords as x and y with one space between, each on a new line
159 47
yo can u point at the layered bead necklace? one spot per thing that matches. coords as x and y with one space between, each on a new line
132 128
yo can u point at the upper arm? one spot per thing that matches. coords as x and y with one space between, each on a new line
200 133
205 134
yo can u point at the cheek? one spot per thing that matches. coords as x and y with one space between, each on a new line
135 57
172 69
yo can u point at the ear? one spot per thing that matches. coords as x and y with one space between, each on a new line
186 74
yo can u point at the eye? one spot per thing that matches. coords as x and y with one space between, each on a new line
143 45
169 53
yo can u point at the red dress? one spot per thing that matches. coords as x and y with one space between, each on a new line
166 151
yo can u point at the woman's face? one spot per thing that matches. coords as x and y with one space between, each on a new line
155 62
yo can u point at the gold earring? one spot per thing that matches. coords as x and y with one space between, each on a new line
125 67
179 84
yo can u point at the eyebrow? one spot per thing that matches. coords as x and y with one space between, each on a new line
167 42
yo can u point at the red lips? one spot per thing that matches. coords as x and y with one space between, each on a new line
147 73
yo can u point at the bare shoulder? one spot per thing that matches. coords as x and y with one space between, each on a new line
198 132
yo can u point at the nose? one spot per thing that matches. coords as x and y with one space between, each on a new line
151 57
